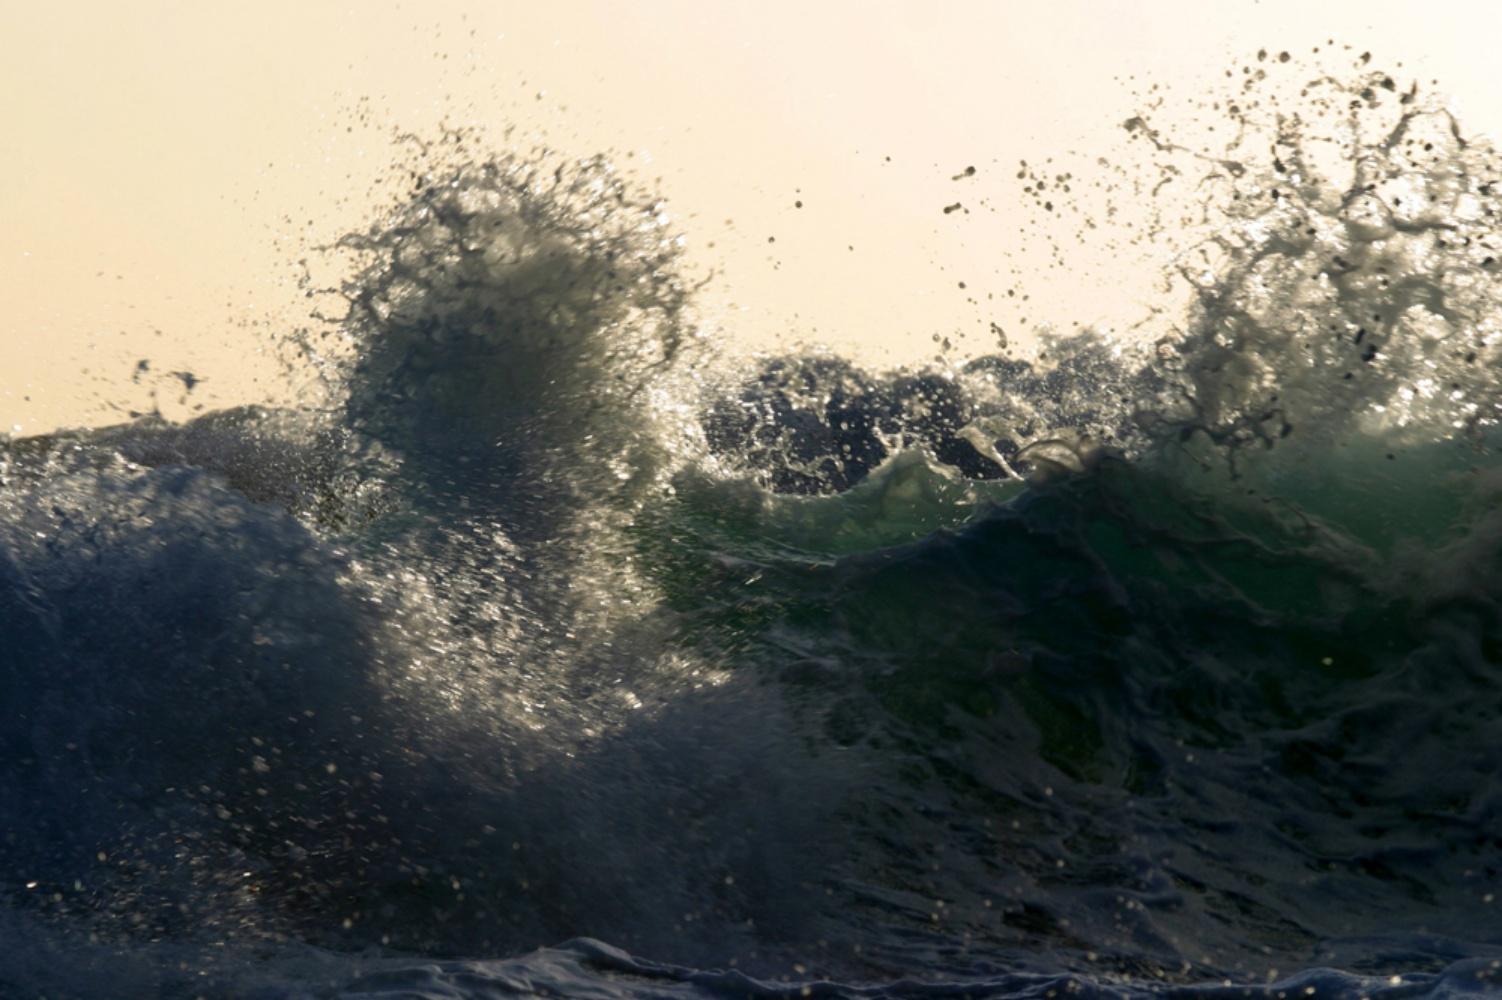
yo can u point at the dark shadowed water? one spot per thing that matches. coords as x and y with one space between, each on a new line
556 654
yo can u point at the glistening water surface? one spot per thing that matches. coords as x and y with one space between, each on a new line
551 651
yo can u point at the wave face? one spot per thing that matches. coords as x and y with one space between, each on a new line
1159 671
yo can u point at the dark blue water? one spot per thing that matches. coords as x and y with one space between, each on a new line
553 653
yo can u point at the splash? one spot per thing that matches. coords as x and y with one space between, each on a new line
1124 669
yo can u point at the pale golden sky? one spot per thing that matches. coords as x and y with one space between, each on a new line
161 163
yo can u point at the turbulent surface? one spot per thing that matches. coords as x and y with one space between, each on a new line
1161 672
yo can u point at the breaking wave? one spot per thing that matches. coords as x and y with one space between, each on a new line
1153 668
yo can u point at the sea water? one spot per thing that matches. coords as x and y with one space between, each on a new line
551 652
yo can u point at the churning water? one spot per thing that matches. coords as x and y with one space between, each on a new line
553 653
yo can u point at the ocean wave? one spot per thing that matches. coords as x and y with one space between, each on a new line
1119 671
